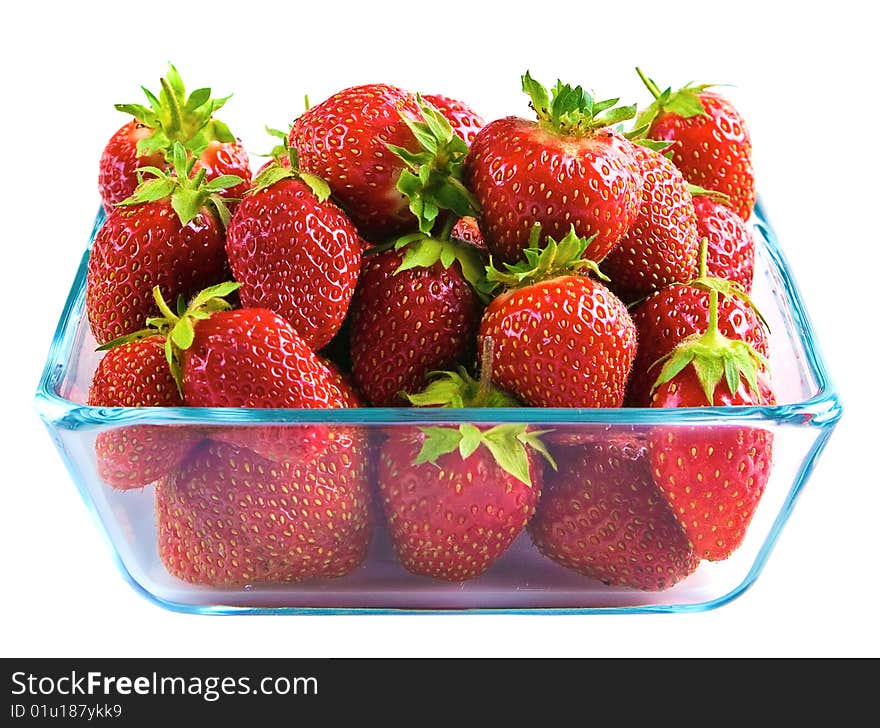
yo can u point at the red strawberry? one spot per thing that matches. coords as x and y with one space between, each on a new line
168 234
710 142
677 312
456 497
343 140
148 139
662 245
561 339
567 168
135 374
601 515
407 322
229 517
464 120
713 476
731 253
250 358
295 252
467 230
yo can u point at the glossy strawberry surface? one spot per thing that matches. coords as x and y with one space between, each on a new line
142 246
453 518
713 476
522 174
407 324
564 342
343 140
137 375
731 247
662 245
253 358
601 515
229 517
295 255
675 313
713 150
464 120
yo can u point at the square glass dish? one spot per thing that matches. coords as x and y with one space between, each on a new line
522 579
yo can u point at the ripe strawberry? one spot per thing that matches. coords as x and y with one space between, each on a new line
713 476
676 312
295 252
250 358
567 168
731 253
464 120
135 374
601 515
343 140
710 142
168 234
467 230
229 517
662 245
407 322
148 139
561 339
456 497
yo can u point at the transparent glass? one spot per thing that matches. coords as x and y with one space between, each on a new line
521 579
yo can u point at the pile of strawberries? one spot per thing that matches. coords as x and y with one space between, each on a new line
398 251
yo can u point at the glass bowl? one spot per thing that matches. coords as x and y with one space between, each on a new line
522 579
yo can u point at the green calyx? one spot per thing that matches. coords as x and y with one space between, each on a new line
188 193
508 444
178 327
175 116
277 171
556 258
432 178
712 354
571 110
685 102
423 251
697 191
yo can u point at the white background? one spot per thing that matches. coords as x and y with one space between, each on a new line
802 79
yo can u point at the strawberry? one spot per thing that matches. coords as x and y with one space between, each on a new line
343 140
455 498
712 476
294 252
567 168
229 517
135 374
416 307
252 358
464 120
662 245
168 234
710 142
561 339
731 252
148 139
467 230
601 515
678 311
407 322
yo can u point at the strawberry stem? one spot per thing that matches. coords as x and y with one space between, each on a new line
704 246
486 362
649 83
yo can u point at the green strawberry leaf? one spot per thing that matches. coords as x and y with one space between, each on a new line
317 185
438 441
471 437
223 182
509 452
